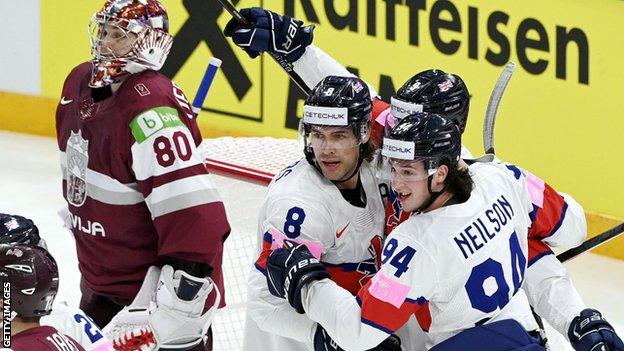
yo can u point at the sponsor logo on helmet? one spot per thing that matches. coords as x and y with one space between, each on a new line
324 115
393 148
445 86
399 149
400 108
77 153
331 116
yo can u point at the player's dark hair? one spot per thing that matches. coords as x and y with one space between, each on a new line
368 150
459 182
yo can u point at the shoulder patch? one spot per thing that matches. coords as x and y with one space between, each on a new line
142 89
151 121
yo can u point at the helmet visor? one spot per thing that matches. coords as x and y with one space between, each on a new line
331 137
111 37
405 170
398 160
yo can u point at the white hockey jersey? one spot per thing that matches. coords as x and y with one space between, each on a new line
454 268
75 323
303 206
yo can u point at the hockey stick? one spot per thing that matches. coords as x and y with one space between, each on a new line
572 253
492 107
488 143
591 243
204 86
281 60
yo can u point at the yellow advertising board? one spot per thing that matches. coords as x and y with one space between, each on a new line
560 116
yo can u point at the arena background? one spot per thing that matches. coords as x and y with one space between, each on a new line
560 116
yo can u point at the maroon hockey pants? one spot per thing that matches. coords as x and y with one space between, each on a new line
102 309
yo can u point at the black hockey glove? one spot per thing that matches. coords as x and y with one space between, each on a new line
268 31
323 342
590 332
291 268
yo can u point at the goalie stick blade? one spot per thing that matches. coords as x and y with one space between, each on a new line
592 243
492 107
281 61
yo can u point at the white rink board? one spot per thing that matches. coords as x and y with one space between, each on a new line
30 185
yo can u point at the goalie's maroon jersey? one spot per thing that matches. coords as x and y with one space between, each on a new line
135 183
43 338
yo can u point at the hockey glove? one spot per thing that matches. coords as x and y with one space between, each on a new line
268 31
291 268
323 342
590 332
166 313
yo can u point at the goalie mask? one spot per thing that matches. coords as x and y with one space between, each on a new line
433 91
128 36
33 275
336 104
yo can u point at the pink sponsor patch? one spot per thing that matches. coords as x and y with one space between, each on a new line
386 117
388 289
316 248
536 188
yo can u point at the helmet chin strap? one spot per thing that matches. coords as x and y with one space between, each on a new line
433 195
312 160
355 171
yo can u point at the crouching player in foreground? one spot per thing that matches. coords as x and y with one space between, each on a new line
31 275
458 261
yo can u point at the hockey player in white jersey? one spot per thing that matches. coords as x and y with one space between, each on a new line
331 202
458 263
436 91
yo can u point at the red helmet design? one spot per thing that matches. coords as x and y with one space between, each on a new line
128 36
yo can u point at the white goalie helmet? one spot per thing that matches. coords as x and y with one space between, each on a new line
127 37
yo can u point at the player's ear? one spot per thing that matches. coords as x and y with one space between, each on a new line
439 177
366 136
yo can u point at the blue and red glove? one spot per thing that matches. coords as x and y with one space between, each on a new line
291 268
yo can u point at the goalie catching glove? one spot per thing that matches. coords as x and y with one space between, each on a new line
166 313
291 268
268 31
